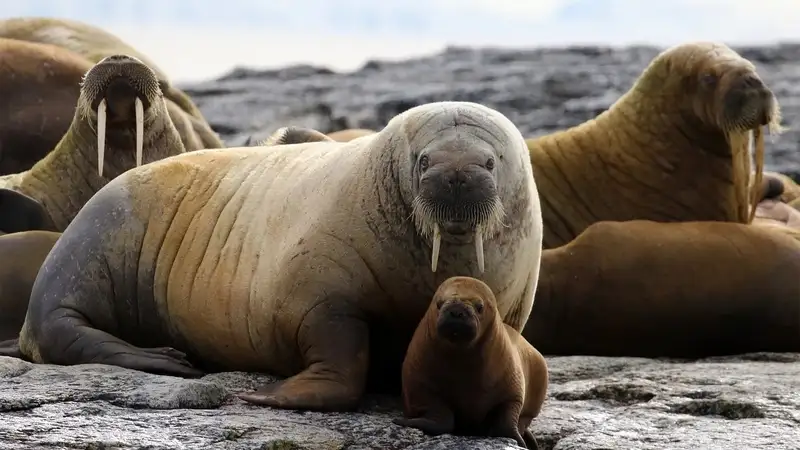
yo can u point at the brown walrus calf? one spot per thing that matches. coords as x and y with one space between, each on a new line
467 372
686 290
683 128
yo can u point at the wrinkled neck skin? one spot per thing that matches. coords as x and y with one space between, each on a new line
67 177
644 158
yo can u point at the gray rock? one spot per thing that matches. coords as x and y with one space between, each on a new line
748 401
540 90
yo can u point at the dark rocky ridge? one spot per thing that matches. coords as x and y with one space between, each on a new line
540 90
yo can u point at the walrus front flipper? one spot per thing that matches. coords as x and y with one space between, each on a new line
11 348
335 347
19 212
530 440
772 187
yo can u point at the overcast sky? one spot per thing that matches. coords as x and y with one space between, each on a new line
199 39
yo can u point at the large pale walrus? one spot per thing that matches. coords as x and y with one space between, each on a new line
313 261
683 128
120 122
466 372
39 85
23 254
684 290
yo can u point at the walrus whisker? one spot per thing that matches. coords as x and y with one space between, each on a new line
101 135
139 129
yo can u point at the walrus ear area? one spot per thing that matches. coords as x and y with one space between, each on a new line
19 212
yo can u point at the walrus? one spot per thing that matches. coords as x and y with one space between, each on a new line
683 128
467 372
39 85
683 290
313 262
120 122
349 134
94 44
20 212
23 254
783 187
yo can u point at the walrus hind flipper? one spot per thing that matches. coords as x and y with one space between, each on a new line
99 347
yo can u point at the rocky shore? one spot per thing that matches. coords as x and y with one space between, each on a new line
742 402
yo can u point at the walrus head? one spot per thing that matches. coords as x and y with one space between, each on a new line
727 96
120 93
465 307
460 158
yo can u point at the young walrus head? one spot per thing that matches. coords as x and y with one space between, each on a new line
120 98
727 96
464 308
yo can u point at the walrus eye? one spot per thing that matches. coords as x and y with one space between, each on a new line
439 304
490 164
423 163
479 308
708 79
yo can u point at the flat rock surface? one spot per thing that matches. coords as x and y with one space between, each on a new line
540 90
745 402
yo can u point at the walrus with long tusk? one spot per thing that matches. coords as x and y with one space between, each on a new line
83 45
310 261
675 147
120 122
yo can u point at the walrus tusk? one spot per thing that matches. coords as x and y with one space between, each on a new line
479 248
755 189
101 135
139 130
437 244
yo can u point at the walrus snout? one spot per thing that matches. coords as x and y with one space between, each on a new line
119 87
749 103
120 70
457 322
458 196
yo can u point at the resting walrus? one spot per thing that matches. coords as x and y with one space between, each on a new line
23 254
685 290
120 122
313 261
81 45
681 129
39 84
467 372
